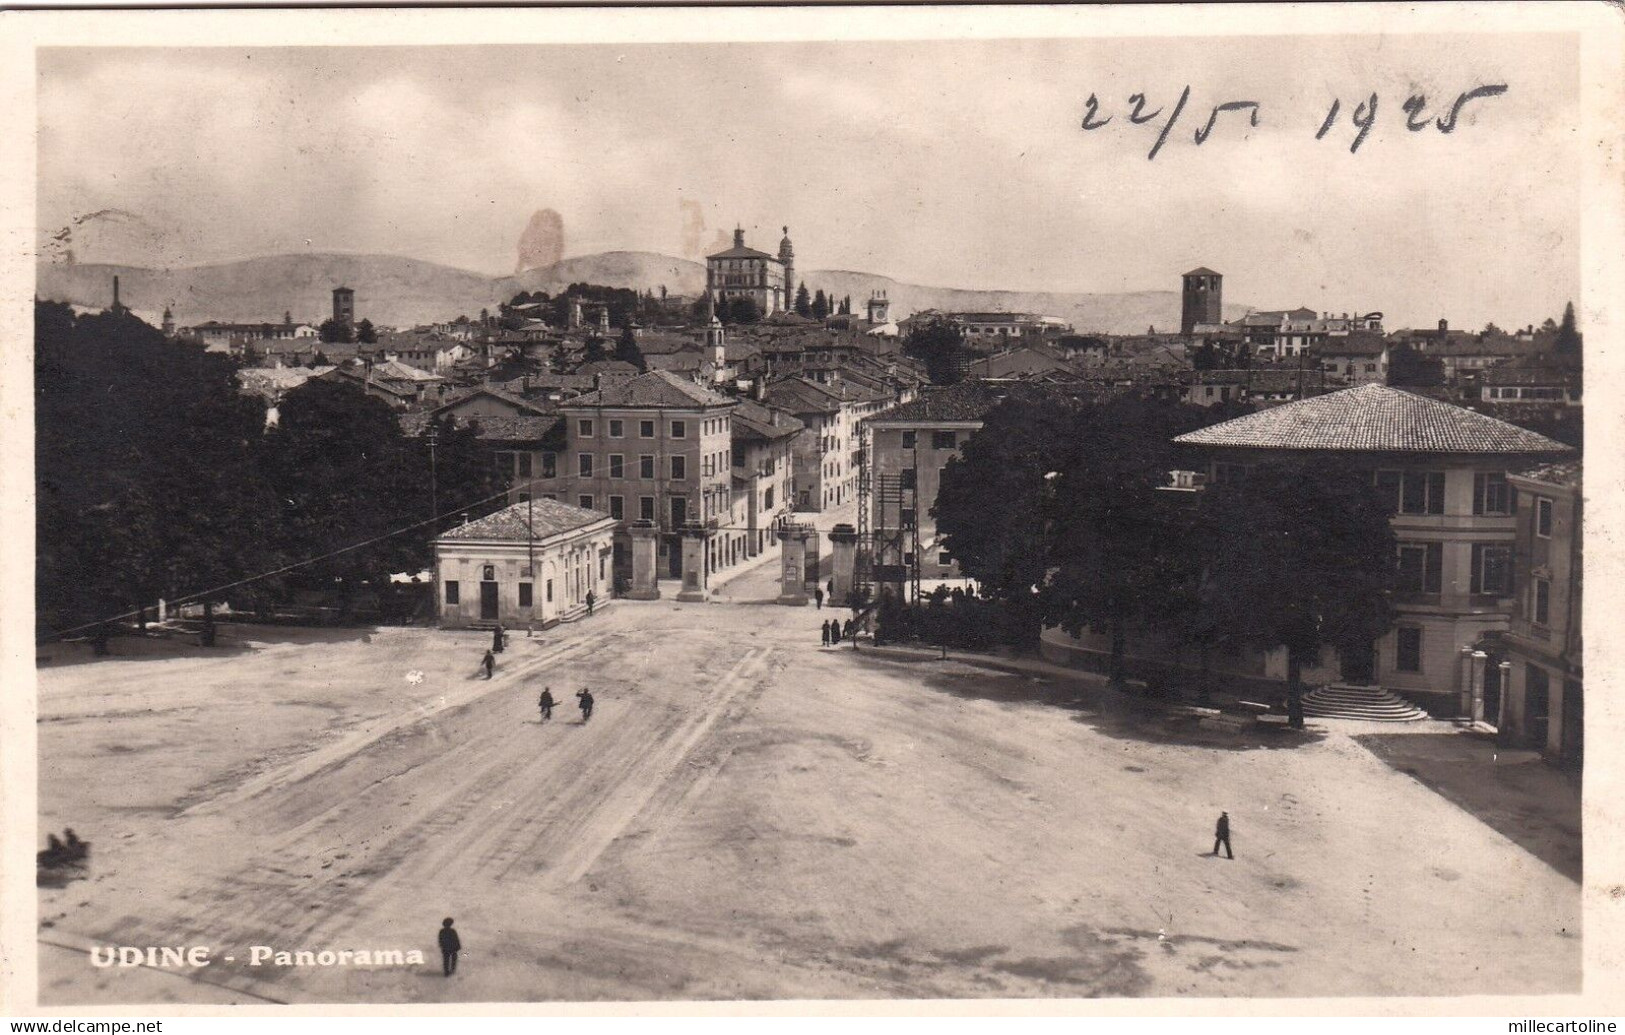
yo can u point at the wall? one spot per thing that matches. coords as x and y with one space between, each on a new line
576 564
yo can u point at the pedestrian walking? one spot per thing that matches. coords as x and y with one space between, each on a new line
496 638
835 632
832 591
825 628
450 946
1221 836
488 663
590 601
847 632
585 697
818 595
545 703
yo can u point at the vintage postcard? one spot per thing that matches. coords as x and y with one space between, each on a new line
1040 506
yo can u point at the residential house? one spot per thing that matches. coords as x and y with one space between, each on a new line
827 455
763 471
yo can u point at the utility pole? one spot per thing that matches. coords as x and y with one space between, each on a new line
434 489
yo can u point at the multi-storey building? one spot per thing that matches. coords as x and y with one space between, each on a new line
656 447
763 472
827 454
908 447
529 563
743 272
1541 701
1444 470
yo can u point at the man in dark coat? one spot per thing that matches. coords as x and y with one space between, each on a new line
590 601
496 639
818 595
450 946
545 703
489 663
585 697
832 589
835 633
825 628
1221 836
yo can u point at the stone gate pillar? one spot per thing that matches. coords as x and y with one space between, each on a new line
793 564
1479 658
843 540
694 542
645 560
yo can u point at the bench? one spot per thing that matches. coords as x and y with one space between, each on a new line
1191 711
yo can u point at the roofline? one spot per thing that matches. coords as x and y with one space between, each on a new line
542 539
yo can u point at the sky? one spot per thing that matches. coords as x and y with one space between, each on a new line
951 163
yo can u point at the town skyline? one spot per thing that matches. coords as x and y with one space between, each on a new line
958 186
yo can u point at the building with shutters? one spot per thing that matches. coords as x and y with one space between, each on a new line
531 563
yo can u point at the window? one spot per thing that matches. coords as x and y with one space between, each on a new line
1543 517
489 573
524 594
549 588
1412 492
646 429
584 465
524 497
602 575
646 508
617 464
767 498
1420 567
739 456
908 517
1223 472
550 465
584 501
452 591
679 468
679 429
1408 648
617 507
1491 493
943 440
584 428
907 479
944 558
679 511
1492 569
1541 612
525 463
617 429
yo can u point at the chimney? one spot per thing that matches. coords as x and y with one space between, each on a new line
739 237
597 381
115 292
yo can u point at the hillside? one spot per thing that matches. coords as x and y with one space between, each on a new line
393 291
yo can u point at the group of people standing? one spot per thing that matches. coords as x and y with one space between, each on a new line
835 631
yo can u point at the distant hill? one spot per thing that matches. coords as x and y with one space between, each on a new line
393 291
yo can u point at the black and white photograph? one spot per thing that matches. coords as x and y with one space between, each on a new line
812 504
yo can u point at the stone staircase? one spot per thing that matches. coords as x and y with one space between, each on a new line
1365 703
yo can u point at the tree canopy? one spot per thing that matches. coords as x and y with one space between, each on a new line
941 347
1568 333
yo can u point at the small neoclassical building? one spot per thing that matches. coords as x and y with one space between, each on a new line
532 562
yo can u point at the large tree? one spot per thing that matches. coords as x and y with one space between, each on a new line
336 331
1296 556
994 504
941 346
366 333
803 301
1408 368
146 460
1568 333
1117 551
820 305
627 350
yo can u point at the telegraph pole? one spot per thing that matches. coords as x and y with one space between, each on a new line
434 489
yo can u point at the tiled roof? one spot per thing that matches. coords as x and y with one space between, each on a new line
753 420
1203 271
495 429
1374 418
657 388
969 401
536 519
741 252
1267 379
520 405
1567 474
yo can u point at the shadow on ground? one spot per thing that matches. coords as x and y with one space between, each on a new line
1514 792
1109 712
231 639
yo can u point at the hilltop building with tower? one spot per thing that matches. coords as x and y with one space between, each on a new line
744 272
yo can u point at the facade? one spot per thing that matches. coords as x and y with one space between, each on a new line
1542 704
525 438
656 447
1446 470
908 447
530 563
344 306
743 272
1361 357
763 472
827 454
1201 299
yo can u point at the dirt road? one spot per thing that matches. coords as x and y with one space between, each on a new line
745 816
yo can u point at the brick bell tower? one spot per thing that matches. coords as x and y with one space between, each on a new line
1202 299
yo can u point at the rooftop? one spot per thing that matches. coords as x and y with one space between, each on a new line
657 388
1374 418
1203 271
522 522
1567 474
969 401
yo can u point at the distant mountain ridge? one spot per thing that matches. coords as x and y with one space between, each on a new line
395 291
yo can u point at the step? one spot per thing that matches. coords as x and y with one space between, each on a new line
1364 703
